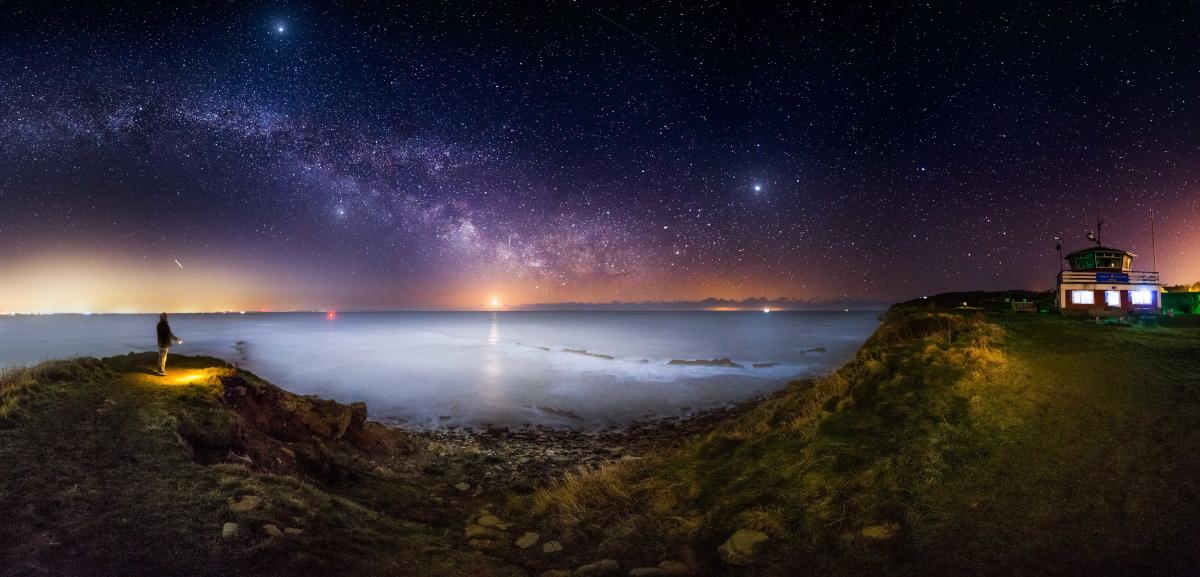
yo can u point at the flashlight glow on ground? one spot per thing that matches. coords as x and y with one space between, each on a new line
184 377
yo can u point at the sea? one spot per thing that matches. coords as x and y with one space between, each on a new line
431 370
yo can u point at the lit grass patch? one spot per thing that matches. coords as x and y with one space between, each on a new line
580 492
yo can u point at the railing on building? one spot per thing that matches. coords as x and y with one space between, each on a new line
1093 277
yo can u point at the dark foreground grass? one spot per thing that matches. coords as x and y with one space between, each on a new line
96 480
954 443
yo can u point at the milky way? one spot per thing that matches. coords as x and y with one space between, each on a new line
375 157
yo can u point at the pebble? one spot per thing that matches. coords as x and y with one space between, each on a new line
743 547
880 532
529 539
601 568
293 531
229 531
272 530
480 532
675 567
552 547
481 544
492 521
463 487
649 572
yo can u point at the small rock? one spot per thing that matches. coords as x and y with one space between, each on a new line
673 567
272 530
245 503
883 531
601 568
463 487
556 573
293 531
551 547
529 539
229 531
481 544
649 572
492 521
743 547
480 532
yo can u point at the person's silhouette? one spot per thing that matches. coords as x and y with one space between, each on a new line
165 339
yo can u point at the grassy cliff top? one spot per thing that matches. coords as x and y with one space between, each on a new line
955 442
110 470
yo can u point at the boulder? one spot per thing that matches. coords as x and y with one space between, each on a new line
602 568
743 547
529 539
229 531
551 547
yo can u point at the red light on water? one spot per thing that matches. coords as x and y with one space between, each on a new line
331 315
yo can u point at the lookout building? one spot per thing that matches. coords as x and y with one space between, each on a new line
1101 281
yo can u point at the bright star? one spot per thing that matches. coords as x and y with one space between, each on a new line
280 28
758 188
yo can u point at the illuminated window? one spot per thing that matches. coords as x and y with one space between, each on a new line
1112 298
1141 297
1083 298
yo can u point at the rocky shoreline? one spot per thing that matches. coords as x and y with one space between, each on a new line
521 459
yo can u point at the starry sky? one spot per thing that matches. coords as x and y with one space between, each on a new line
303 155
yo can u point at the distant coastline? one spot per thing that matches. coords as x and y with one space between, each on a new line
715 304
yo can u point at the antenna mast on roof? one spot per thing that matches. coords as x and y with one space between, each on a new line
1153 249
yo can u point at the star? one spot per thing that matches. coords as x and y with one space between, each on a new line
757 187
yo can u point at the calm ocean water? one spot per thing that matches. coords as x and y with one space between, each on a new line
436 369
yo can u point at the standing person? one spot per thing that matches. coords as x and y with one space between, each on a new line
165 338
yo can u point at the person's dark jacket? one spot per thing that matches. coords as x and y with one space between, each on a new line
165 336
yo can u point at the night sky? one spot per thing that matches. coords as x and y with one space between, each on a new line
314 156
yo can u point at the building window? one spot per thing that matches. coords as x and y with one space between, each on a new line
1112 298
1083 298
1141 297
